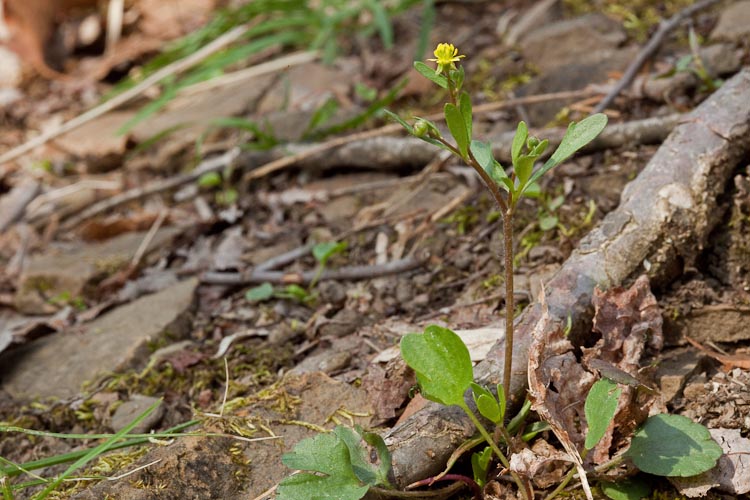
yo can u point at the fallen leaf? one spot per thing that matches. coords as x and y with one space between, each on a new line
557 387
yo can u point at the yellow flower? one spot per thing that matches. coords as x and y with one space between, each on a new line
446 55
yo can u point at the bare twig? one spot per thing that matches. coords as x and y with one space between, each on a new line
344 273
649 49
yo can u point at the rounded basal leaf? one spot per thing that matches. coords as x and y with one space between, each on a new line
442 364
673 445
600 408
628 489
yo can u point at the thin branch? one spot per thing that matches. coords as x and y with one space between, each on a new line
257 276
649 49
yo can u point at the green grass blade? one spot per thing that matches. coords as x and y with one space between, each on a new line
95 452
134 440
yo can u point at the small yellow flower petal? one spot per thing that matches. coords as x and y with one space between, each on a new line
446 56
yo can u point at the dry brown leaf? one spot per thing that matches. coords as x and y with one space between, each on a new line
557 387
388 388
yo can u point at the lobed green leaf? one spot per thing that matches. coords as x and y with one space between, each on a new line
577 136
325 454
522 132
464 105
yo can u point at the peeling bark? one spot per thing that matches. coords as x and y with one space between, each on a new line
661 225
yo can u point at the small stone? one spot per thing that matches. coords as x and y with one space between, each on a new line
696 388
332 292
734 22
675 370
343 323
132 409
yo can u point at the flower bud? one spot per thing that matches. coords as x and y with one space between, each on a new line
531 143
421 128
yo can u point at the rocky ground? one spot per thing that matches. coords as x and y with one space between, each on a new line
108 306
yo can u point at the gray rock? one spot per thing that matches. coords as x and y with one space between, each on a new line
342 324
57 365
734 22
132 409
62 274
675 370
593 37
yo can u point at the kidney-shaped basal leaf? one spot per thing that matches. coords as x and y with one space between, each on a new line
673 445
600 408
326 454
577 136
442 364
627 489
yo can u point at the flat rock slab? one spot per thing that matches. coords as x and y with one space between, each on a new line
734 22
57 365
211 467
62 274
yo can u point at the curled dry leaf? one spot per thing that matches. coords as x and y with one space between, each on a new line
541 463
557 387
628 320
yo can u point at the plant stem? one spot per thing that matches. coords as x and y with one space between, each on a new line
497 451
563 484
473 486
509 301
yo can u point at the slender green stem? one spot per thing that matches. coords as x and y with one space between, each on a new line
497 451
509 301
563 484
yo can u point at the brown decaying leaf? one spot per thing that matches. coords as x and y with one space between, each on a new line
388 388
552 368
628 320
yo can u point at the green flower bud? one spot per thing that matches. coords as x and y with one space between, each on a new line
421 128
531 143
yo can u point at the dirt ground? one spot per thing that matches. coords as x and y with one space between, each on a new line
157 296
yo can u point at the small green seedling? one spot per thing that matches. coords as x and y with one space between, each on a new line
322 252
